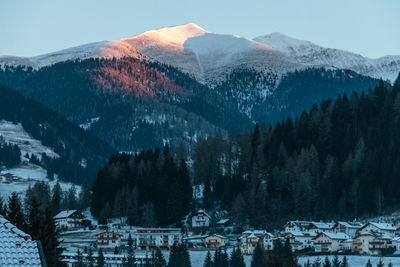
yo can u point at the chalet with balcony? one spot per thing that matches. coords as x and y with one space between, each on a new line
252 238
300 240
147 238
69 219
372 243
329 242
215 241
349 228
319 227
108 240
201 219
296 226
383 228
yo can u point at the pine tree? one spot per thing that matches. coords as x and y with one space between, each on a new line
336 261
317 262
50 241
344 262
327 262
14 214
179 256
56 198
100 259
208 261
35 219
3 208
369 264
308 263
90 258
79 259
258 259
131 253
158 259
380 263
236 259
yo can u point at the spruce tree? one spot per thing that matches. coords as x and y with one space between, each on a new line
336 261
131 253
14 213
317 262
380 263
3 208
90 258
49 238
344 262
208 261
369 264
35 219
158 259
100 259
327 262
79 259
236 259
258 259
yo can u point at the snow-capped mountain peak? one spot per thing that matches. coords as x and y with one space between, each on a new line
308 53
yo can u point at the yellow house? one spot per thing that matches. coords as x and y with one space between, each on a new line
215 241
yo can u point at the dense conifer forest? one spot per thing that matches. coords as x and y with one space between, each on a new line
340 160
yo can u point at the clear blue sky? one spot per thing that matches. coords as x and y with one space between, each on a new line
33 27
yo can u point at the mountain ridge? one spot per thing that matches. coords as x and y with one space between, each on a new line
209 57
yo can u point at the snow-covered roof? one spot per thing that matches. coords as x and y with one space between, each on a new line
337 236
202 211
302 233
354 225
381 226
322 225
64 214
219 236
16 247
223 221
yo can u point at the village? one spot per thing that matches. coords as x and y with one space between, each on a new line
79 231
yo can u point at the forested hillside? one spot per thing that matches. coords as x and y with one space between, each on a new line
340 160
136 105
80 153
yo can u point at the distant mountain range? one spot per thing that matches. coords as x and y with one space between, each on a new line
209 56
177 84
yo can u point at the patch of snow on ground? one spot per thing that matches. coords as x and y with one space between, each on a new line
15 134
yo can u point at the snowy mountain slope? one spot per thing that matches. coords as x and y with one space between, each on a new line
209 57
306 52
15 134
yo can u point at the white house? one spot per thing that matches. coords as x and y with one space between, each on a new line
296 225
319 227
252 238
69 219
300 239
215 241
201 219
372 243
108 240
329 242
349 228
157 237
384 228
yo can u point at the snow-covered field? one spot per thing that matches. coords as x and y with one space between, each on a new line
357 261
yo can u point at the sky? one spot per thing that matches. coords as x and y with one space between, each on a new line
368 27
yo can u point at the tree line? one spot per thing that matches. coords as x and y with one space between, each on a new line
150 188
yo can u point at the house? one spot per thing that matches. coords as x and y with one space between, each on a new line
252 238
300 239
108 240
195 240
201 219
17 248
384 228
319 227
215 241
69 219
349 228
157 237
372 243
223 222
296 226
329 242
